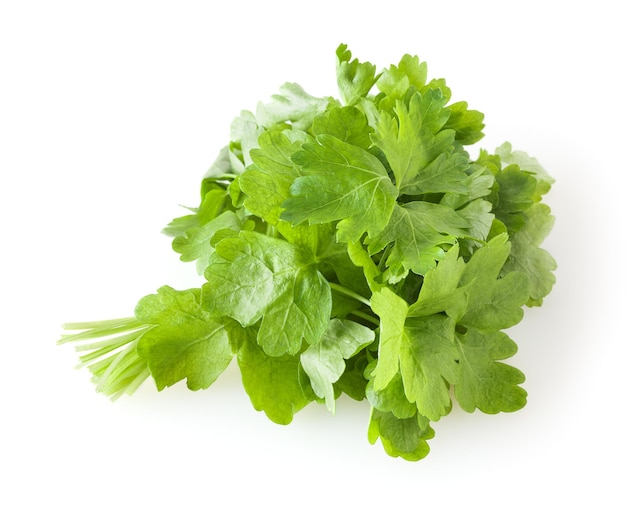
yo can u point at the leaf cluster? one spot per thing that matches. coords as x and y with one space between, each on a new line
350 246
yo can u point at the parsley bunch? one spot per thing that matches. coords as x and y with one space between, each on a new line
349 246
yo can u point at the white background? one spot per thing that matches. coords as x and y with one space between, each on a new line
110 113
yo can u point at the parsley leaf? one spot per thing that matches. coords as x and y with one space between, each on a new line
484 382
341 182
467 124
254 277
347 124
422 348
324 361
275 385
195 243
354 78
415 137
494 302
404 437
267 181
185 342
527 257
293 105
417 230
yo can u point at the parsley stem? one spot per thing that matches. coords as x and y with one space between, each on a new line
365 316
348 292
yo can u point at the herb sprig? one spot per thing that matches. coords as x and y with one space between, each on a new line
351 246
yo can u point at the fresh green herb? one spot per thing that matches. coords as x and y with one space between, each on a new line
349 246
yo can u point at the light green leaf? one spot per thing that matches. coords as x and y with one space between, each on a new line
275 384
334 256
293 105
486 383
424 350
446 173
428 363
352 382
361 258
221 166
244 134
396 80
417 231
324 362
354 78
347 124
478 185
186 342
391 398
214 201
405 438
253 276
414 138
195 244
267 182
392 311
515 192
528 258
467 124
479 217
494 303
527 163
342 183
440 291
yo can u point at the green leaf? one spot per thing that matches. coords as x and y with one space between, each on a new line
515 192
428 363
267 182
275 384
342 183
392 311
254 277
467 124
293 105
244 134
391 398
479 218
414 138
478 185
220 167
417 230
195 244
396 80
446 173
440 290
424 350
528 258
361 258
485 383
526 163
354 78
404 438
494 302
186 342
336 258
214 201
324 362
352 382
347 124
